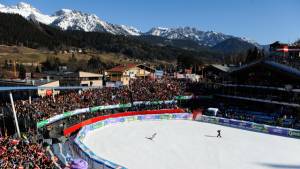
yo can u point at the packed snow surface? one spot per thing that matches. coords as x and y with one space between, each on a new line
181 144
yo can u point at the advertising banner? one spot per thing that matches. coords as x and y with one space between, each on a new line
116 120
245 125
225 121
183 97
165 116
181 116
42 123
278 131
294 133
147 117
98 125
78 111
131 118
259 127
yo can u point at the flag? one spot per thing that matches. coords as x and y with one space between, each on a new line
14 142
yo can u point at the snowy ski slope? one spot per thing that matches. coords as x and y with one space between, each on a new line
182 144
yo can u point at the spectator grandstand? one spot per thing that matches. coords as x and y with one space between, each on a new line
253 94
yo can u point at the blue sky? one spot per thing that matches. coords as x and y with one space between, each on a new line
264 21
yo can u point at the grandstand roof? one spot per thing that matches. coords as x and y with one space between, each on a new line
19 82
282 67
276 66
147 68
223 68
83 74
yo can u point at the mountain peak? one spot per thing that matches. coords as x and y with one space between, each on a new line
208 38
77 20
24 5
69 19
27 11
63 11
161 28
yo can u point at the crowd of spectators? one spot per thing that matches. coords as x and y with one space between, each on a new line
275 119
265 94
23 153
139 90
167 89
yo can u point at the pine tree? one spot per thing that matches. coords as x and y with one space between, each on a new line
37 69
22 72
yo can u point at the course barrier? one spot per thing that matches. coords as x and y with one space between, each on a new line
95 161
251 126
76 127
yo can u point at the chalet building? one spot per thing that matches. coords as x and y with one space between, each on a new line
123 73
216 72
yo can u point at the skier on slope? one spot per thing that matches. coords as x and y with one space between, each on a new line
152 137
219 133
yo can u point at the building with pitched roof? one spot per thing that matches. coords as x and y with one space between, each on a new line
125 72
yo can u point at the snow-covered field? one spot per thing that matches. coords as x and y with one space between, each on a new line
181 144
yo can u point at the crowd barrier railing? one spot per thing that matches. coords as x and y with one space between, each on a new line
107 107
95 161
287 132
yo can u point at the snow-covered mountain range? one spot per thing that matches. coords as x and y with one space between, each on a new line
67 19
206 38
28 12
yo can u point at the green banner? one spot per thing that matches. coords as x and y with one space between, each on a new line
131 118
67 114
42 123
259 127
165 116
124 105
294 133
183 97
94 109
98 125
